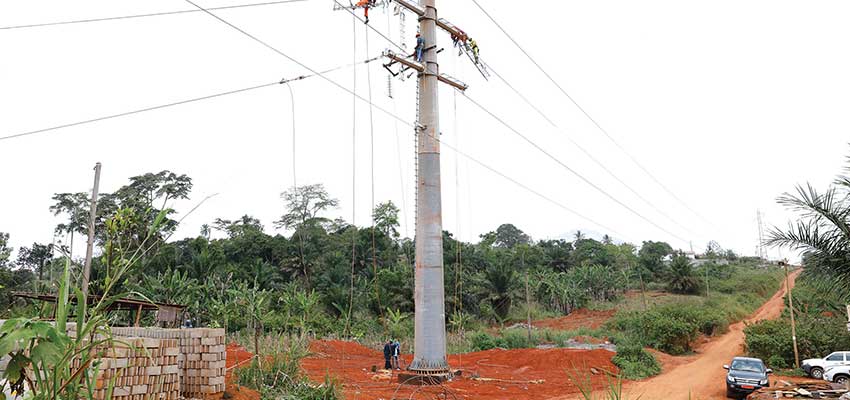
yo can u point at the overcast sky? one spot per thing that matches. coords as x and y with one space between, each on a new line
728 103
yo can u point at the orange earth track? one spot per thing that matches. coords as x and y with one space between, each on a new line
533 374
701 376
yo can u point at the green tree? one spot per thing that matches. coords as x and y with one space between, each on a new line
36 258
304 204
5 250
385 216
651 256
822 233
681 277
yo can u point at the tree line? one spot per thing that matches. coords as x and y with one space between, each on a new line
317 274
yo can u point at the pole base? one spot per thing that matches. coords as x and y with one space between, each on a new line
422 379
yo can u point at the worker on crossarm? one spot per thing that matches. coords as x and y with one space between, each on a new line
420 45
366 4
474 46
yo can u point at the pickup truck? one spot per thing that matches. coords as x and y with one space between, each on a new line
839 374
815 367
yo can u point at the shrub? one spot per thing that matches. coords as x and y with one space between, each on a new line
667 328
483 341
278 376
518 339
635 362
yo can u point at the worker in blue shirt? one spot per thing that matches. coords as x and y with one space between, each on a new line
420 45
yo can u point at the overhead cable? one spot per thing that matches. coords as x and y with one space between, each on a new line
589 117
176 103
586 152
572 171
157 14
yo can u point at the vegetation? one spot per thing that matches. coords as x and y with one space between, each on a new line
278 376
822 234
671 327
320 276
821 327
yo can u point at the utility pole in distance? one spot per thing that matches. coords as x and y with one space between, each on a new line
429 363
90 244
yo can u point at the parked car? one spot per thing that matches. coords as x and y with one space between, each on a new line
815 367
745 376
839 374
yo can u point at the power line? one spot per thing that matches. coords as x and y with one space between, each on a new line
504 176
176 103
585 151
586 114
157 14
319 74
574 172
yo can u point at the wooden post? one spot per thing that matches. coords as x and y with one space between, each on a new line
793 323
138 316
527 295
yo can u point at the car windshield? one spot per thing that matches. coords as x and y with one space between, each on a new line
748 365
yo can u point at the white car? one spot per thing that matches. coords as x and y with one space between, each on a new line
839 374
815 367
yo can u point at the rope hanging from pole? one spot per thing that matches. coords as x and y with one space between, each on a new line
353 181
372 171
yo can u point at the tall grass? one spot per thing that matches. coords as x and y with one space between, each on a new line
278 376
48 363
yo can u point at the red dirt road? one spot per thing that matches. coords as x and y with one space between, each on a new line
533 374
701 377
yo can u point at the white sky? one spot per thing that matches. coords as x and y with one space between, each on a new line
729 103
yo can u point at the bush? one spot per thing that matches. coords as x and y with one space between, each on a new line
278 376
483 341
776 362
816 337
669 328
635 362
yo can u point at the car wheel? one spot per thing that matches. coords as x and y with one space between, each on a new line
841 379
730 394
817 373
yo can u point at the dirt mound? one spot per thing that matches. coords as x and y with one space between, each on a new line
326 348
581 318
487 375
237 356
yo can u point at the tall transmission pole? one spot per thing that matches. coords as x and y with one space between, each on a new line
762 253
429 358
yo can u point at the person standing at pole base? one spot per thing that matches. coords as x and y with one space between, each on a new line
388 351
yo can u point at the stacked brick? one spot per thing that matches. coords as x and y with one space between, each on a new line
147 370
203 363
200 359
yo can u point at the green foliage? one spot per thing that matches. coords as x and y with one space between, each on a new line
635 362
821 233
819 330
509 339
278 375
681 278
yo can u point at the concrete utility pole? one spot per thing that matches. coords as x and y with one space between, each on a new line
430 343
429 358
90 244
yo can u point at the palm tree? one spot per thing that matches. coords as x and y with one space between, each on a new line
822 233
681 278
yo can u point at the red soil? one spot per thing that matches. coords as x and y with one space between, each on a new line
487 375
581 318
236 357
